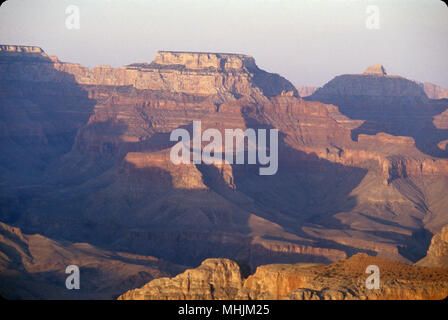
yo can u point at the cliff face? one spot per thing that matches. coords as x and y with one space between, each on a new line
86 158
201 60
39 119
401 139
186 72
434 91
24 51
344 280
377 70
382 101
218 279
437 255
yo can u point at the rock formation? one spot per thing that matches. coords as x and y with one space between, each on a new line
370 85
377 70
434 91
362 161
217 279
437 255
214 279
195 73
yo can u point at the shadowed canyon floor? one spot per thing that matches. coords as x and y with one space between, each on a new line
363 162
33 267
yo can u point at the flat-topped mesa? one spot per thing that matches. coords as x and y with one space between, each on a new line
205 60
377 70
19 49
15 53
195 73
373 82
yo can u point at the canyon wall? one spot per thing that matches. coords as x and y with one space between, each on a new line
186 72
361 164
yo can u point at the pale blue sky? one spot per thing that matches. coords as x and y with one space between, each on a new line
308 42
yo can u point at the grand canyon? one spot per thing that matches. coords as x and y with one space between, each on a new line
86 180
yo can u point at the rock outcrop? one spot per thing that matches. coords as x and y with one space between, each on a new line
12 50
437 255
214 279
377 70
346 280
204 60
343 280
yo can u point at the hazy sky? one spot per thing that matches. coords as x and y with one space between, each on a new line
308 42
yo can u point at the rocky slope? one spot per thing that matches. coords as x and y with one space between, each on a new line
362 164
221 279
33 267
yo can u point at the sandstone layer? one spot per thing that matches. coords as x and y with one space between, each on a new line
220 279
185 72
437 255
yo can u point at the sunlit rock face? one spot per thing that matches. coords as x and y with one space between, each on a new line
13 50
204 60
437 255
186 72
221 279
218 279
376 69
